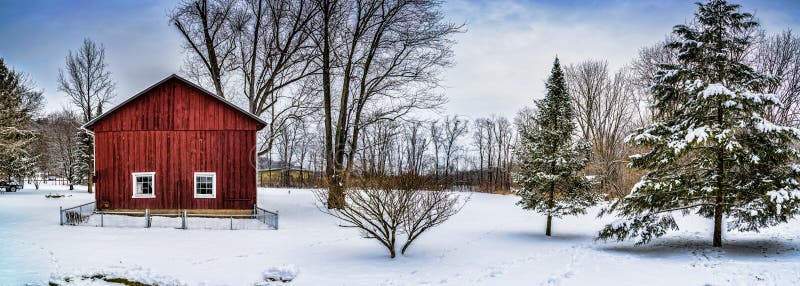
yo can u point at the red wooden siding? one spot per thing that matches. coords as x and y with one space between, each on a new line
175 105
175 130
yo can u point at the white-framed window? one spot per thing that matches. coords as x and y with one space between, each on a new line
144 185
205 185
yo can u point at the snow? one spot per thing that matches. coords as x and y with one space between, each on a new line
765 126
783 195
720 89
641 137
717 89
677 146
762 97
175 222
700 133
491 242
136 273
731 103
692 43
283 273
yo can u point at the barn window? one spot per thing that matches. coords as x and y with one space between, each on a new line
205 185
144 185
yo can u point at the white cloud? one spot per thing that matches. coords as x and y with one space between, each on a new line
502 60
506 55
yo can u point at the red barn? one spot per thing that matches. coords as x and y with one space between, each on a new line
175 146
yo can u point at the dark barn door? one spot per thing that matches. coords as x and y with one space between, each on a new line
174 172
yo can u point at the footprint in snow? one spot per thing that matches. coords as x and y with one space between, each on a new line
205 261
495 273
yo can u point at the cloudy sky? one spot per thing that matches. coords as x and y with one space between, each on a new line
501 61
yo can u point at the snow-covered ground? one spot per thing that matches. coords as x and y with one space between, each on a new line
491 242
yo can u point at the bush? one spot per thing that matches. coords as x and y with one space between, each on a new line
389 211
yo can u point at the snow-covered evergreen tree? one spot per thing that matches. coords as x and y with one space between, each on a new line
550 157
18 103
711 152
83 153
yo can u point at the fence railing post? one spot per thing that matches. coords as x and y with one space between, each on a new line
277 217
61 214
183 219
146 218
231 222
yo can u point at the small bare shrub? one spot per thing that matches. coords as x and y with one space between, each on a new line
387 213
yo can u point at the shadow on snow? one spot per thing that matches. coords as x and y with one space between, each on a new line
732 248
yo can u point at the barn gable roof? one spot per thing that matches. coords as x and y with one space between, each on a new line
174 76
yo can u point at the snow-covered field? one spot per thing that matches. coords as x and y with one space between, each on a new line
491 242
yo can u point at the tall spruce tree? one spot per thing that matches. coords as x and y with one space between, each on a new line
18 104
82 158
711 152
550 158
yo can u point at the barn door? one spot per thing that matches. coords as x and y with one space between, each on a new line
172 174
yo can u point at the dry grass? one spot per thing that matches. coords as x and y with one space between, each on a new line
120 281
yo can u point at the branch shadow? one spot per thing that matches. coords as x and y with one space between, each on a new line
739 248
540 236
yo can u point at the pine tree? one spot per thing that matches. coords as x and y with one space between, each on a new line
18 104
550 158
711 152
81 163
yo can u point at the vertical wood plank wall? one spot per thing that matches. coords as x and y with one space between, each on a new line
175 130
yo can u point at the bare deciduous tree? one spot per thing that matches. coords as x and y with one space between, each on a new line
428 209
437 141
58 132
385 58
415 146
209 36
87 81
778 56
259 49
274 57
643 76
454 128
604 106
376 155
494 139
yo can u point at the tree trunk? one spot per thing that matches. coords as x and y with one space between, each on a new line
718 222
551 202
335 192
718 203
547 231
89 183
